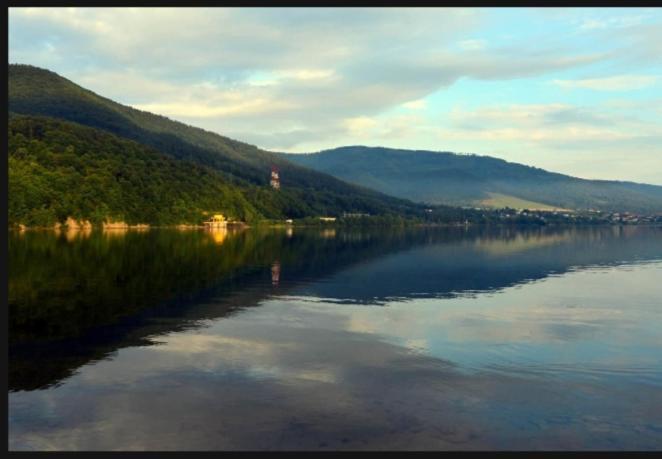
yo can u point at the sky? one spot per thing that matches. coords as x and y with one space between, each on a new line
571 90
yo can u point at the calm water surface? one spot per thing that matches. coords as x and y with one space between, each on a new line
336 339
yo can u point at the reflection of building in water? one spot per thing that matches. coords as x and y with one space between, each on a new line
73 233
328 233
125 226
218 235
114 232
505 245
275 273
289 232
121 229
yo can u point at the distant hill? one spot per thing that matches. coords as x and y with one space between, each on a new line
472 180
305 192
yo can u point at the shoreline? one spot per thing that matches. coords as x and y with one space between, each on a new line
241 225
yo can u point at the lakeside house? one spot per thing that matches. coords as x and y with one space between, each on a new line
216 221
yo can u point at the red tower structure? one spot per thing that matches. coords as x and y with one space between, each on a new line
275 178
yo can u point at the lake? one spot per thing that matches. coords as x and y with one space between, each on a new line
326 339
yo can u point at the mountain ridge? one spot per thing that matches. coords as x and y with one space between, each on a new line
441 177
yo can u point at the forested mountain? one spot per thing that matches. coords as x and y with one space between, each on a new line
38 92
472 180
59 169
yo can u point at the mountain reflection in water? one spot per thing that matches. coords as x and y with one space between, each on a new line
497 338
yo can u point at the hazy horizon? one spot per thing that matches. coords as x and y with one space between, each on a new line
574 91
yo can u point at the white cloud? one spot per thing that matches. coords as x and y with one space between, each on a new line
613 83
360 126
546 123
415 104
296 69
309 74
472 45
611 23
197 110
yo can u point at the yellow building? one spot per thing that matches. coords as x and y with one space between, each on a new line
216 221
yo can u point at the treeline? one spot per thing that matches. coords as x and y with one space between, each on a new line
59 170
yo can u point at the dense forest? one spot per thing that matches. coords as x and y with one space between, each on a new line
473 180
59 170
